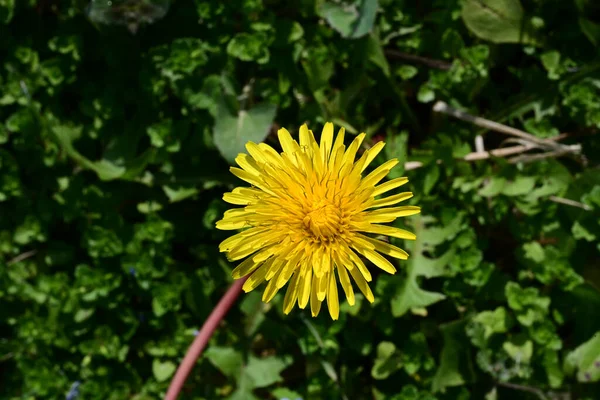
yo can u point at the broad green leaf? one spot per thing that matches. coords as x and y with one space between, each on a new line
376 55
493 321
351 21
553 369
163 370
107 170
520 186
432 177
433 267
455 359
498 21
249 47
6 10
232 132
226 359
265 371
520 352
584 361
581 232
281 393
591 29
318 71
493 187
387 362
534 252
179 194
411 296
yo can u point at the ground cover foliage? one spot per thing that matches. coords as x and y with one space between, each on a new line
117 126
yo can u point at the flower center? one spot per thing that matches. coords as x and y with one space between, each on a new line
323 220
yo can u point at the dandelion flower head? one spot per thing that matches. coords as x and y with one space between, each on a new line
311 218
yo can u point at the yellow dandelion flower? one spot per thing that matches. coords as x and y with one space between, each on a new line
305 217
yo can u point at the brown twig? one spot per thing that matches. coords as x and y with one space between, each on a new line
480 155
430 62
22 257
569 202
444 108
524 388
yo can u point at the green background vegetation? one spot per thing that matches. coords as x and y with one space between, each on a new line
114 149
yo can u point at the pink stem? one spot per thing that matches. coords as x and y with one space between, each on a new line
202 338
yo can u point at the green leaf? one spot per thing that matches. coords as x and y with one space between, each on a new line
282 393
520 186
493 187
432 177
496 321
249 47
163 370
179 194
387 362
411 296
351 21
376 55
553 368
584 361
226 359
407 72
591 30
498 21
534 252
520 352
527 303
265 371
581 232
426 94
455 359
231 132
551 61
6 10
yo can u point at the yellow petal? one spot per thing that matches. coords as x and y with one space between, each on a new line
390 214
370 155
391 200
315 303
248 164
255 279
362 285
225 225
231 242
288 144
346 285
388 231
307 140
390 185
350 154
244 268
237 199
333 303
305 285
251 179
378 260
387 249
270 291
322 282
362 268
339 140
256 153
288 270
378 173
326 141
275 268
291 295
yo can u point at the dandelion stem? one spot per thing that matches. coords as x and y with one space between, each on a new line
202 338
